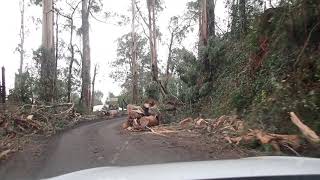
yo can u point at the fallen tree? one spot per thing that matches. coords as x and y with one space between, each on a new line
233 130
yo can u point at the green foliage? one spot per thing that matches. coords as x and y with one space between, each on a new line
222 80
153 91
122 66
24 88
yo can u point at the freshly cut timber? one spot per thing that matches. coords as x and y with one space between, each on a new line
141 118
186 123
134 112
201 123
309 134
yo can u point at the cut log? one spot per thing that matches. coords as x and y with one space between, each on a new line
3 154
293 140
136 124
134 115
134 112
186 123
133 108
236 140
125 125
219 121
263 137
309 134
148 121
201 123
227 138
239 125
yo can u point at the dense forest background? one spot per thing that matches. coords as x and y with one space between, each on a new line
264 65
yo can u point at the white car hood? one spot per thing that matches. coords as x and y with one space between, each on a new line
247 167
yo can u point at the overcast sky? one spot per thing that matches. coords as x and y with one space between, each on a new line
103 37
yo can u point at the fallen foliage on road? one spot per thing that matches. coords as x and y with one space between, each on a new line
233 130
227 129
17 127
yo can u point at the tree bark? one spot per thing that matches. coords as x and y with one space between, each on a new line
3 85
169 61
93 83
86 62
243 18
152 39
134 57
48 56
211 17
71 61
21 48
203 23
234 19
55 93
155 59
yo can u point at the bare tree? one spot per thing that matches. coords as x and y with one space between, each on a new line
178 27
70 18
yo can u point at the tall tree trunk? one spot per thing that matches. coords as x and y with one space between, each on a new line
153 45
48 55
152 38
134 57
21 49
211 17
55 93
169 61
19 83
71 48
93 83
3 85
86 62
154 32
203 24
243 18
234 19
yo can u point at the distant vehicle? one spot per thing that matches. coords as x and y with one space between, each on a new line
255 168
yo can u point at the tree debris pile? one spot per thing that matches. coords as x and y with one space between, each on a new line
28 120
141 118
234 131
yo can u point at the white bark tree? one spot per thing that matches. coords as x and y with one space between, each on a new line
134 56
86 59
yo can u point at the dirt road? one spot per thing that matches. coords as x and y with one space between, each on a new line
94 145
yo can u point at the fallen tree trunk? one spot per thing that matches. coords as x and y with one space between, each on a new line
309 134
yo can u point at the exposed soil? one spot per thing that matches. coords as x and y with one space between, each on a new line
104 143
